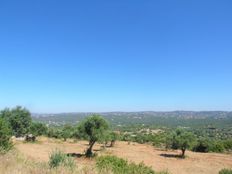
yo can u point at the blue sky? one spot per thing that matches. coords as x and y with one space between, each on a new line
74 56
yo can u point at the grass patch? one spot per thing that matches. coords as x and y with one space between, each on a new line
14 162
58 158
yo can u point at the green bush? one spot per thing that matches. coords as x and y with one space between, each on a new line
54 132
38 129
120 166
139 169
216 146
202 145
227 144
207 145
58 158
225 171
5 135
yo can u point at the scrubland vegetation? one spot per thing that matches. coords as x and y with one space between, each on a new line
17 122
225 171
15 163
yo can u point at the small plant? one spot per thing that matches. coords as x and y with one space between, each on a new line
58 158
225 171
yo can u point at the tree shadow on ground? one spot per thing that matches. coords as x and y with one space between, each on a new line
97 150
171 155
76 155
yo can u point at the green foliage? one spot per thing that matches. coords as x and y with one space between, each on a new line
109 136
67 132
225 171
64 132
127 137
53 133
216 146
58 158
5 135
208 145
203 145
120 166
160 139
38 129
113 138
227 144
93 129
181 139
19 120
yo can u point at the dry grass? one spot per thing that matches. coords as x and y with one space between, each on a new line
37 156
15 163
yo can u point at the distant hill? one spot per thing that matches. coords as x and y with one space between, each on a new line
167 119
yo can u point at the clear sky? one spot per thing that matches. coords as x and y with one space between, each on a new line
124 55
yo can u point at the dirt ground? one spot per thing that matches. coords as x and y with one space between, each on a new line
159 160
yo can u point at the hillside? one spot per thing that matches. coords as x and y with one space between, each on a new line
200 163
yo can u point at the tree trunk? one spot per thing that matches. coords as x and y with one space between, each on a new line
105 144
183 152
112 143
89 152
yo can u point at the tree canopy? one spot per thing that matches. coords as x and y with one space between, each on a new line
5 134
19 120
38 129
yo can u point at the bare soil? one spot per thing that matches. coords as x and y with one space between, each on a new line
159 160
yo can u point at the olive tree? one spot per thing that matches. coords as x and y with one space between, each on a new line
5 135
38 129
109 136
93 128
181 139
19 120
67 132
114 136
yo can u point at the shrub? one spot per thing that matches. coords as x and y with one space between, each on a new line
225 171
5 135
227 144
216 146
139 169
38 129
202 145
58 158
54 132
120 166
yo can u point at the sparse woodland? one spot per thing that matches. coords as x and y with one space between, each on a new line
94 129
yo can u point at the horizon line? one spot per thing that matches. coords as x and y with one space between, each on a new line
130 111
